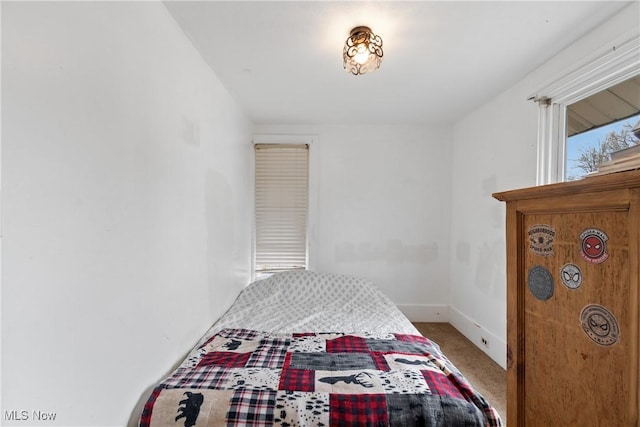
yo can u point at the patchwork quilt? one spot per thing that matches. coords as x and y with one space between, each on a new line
241 377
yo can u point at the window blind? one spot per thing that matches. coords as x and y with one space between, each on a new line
281 187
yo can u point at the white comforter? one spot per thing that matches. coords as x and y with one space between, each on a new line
307 301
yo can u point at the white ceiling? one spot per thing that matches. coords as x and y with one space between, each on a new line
282 61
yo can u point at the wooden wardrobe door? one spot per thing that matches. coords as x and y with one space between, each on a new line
571 379
573 356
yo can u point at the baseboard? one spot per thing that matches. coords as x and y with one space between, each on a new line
495 347
425 312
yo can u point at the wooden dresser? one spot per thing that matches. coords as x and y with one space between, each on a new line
573 272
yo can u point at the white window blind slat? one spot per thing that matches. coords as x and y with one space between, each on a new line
281 194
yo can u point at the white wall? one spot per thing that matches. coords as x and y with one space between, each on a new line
383 209
126 222
494 149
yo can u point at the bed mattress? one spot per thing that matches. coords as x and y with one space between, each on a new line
313 349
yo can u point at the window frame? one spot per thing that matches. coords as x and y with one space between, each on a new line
312 192
609 66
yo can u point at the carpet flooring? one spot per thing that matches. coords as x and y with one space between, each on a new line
485 375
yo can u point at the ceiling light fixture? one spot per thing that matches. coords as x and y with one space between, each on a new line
362 51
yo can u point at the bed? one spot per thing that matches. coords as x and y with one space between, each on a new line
303 348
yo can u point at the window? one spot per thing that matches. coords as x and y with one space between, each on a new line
281 204
605 69
602 127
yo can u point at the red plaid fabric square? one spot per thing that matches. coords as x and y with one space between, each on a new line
441 384
347 344
380 361
224 358
358 409
296 379
251 408
412 338
462 385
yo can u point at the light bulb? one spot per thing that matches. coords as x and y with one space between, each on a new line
363 54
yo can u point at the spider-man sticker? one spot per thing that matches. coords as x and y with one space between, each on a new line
600 325
571 276
594 246
541 238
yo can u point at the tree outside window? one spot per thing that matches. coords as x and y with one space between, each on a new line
588 150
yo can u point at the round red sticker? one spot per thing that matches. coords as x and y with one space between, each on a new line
594 245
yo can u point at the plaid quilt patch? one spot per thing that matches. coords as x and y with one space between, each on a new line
212 377
270 353
441 384
396 346
358 410
413 338
296 379
249 378
379 360
332 361
226 359
303 334
251 408
347 344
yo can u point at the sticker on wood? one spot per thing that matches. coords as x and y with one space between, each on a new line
541 238
594 246
571 276
600 325
540 282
